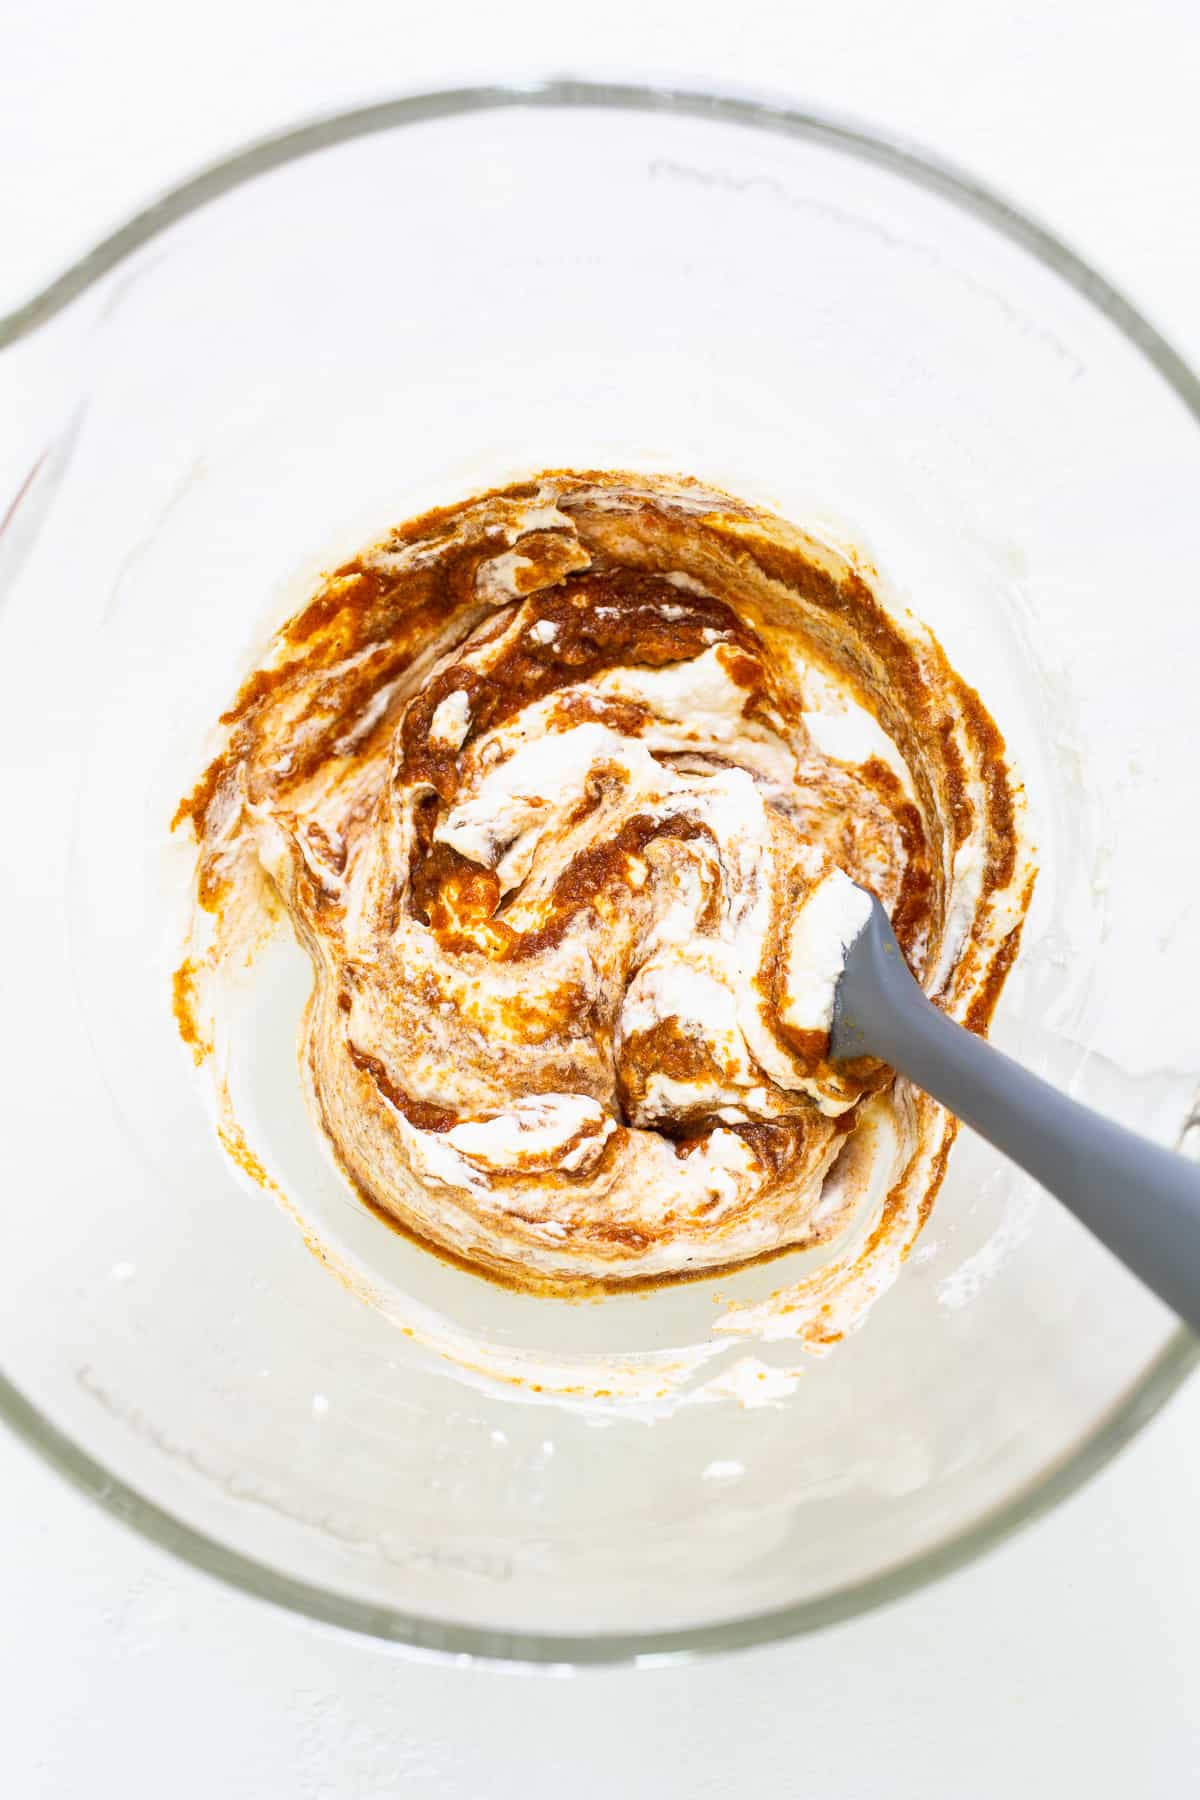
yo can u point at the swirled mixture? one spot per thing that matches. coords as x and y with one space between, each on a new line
564 791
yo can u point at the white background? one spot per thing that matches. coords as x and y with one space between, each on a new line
1065 1663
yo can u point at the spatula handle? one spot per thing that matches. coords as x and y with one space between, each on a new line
1140 1200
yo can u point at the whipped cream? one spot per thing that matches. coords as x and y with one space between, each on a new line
826 925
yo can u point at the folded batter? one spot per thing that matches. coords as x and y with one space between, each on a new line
564 791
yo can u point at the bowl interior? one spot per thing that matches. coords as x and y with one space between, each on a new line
394 322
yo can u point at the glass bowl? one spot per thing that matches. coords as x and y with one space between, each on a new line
394 308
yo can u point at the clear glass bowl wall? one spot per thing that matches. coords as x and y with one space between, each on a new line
475 288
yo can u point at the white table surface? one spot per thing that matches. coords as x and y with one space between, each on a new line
1064 1663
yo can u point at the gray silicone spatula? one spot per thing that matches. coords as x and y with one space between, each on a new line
1140 1200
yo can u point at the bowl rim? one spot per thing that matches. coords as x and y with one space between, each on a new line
1179 1355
